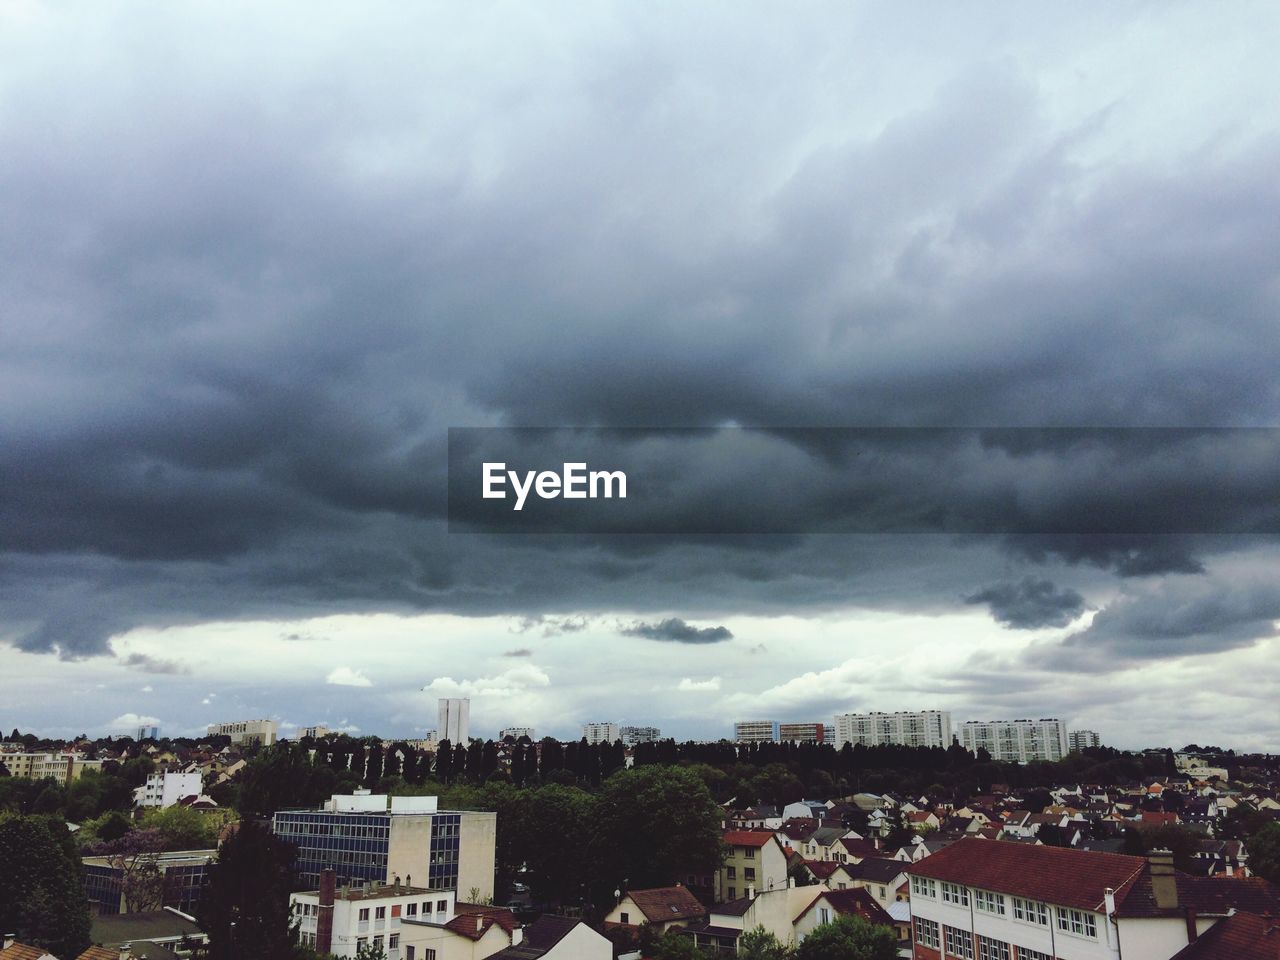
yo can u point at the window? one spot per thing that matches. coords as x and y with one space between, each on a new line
958 942
377 943
364 914
923 886
428 954
927 933
882 891
380 913
426 907
410 909
751 853
989 902
732 872
442 906
954 893
1026 954
989 949
626 917
733 893
361 942
1032 911
749 873
393 941
409 953
824 915
1078 922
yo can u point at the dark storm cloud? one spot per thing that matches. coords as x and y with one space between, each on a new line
1179 617
677 630
242 311
1029 603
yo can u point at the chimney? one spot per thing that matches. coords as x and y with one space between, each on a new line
479 922
751 892
126 951
1164 885
8 940
1109 898
324 919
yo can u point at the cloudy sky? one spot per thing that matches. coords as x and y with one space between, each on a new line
256 262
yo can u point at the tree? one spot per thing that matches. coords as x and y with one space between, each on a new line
760 944
1264 852
42 898
675 946
849 937
182 828
245 908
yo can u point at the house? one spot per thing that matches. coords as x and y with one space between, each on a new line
828 904
836 876
558 938
663 908
981 898
883 878
754 860
475 932
146 933
775 910
12 950
1241 936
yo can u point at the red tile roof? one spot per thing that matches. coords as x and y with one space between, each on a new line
748 838
664 904
1207 896
99 953
1244 936
21 951
1071 878
466 915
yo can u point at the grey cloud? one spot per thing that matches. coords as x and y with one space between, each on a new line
678 631
148 664
1030 603
519 652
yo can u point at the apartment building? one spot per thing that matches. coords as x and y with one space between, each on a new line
753 731
601 732
631 736
375 839
801 732
910 728
515 733
754 861
62 767
166 789
995 900
1083 739
243 732
454 719
315 733
1016 741
342 921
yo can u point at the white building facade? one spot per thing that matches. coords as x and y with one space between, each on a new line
454 720
1016 741
242 732
166 789
1078 740
601 732
918 728
754 731
634 735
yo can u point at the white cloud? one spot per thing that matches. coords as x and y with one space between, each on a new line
147 689
346 677
690 684
128 720
526 676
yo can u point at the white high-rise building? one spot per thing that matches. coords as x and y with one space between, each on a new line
246 731
753 731
455 720
515 733
1017 741
910 728
634 735
166 789
601 732
1082 739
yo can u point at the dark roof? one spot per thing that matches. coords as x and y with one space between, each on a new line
822 869
127 927
1244 936
662 904
1212 896
1058 875
548 930
858 901
877 869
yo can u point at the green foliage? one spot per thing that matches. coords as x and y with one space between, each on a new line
760 944
1182 842
245 908
675 946
1264 852
282 776
849 937
182 828
42 897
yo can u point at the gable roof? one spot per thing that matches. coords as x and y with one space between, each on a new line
1207 896
474 920
878 869
1058 875
748 838
99 953
548 930
1243 936
859 902
22 951
663 904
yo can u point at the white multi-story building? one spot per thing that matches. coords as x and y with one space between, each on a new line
455 720
753 731
515 733
166 789
1078 740
246 731
315 733
994 900
62 767
343 921
601 732
634 735
910 728
1016 741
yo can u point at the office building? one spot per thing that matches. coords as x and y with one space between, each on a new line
1016 741
753 731
185 872
243 732
1078 740
455 720
372 838
636 735
515 733
801 732
148 733
601 732
908 728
